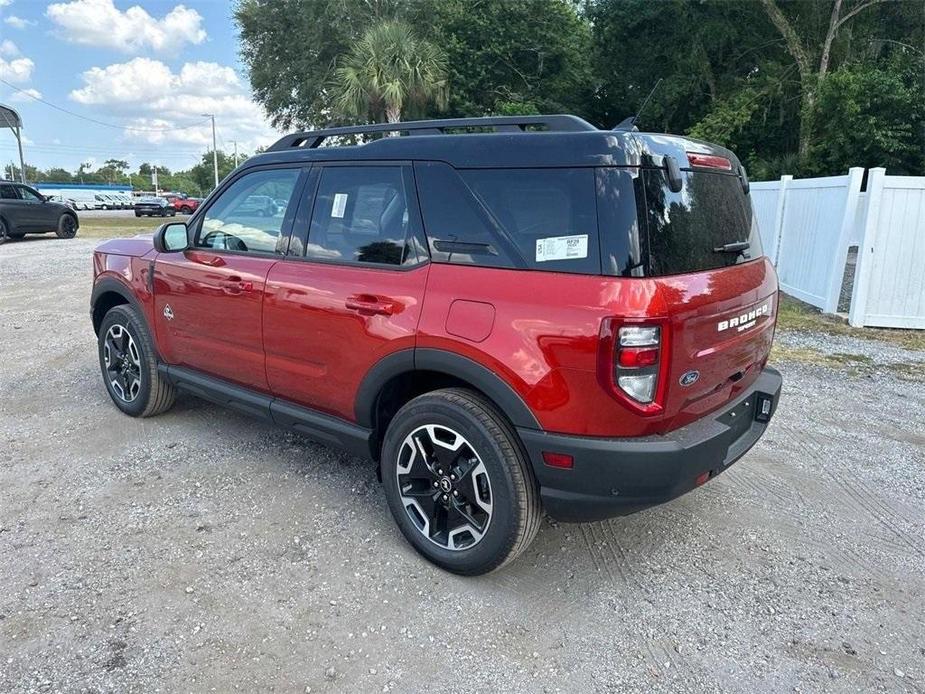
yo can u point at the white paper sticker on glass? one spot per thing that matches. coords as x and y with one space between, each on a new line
340 204
562 248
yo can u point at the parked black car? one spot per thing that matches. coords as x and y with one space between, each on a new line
24 210
154 207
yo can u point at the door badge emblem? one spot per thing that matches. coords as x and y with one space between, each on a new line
168 312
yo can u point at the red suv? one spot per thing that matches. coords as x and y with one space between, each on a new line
181 203
509 315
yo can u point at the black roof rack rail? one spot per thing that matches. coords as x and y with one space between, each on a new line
557 123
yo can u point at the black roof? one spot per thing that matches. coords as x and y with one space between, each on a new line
497 142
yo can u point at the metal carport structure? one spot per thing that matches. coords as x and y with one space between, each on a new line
10 119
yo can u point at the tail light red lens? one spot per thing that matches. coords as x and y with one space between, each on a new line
633 363
636 357
709 161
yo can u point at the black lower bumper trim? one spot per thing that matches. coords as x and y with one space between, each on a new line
615 477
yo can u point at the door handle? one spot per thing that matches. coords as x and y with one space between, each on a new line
235 285
369 304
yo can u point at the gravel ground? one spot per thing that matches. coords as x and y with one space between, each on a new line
203 551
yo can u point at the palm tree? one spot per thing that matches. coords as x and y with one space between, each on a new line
387 71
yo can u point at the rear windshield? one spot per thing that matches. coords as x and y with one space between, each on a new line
693 229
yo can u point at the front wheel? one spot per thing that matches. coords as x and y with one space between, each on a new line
129 366
458 483
67 227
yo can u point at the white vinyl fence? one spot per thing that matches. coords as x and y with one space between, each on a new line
808 225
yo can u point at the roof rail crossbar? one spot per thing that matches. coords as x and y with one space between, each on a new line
557 123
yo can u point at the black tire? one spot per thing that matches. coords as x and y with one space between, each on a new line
67 227
186 210
154 394
515 512
4 232
137 213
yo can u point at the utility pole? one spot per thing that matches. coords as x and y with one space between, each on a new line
235 153
214 147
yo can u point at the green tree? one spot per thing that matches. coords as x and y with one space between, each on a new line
512 57
703 51
56 175
502 55
203 173
811 43
389 71
290 48
874 115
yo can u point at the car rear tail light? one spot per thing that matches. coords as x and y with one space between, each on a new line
633 363
709 161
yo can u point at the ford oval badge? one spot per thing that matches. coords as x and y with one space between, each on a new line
689 378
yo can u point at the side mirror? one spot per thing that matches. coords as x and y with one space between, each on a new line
171 238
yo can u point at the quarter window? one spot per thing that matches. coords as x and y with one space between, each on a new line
9 193
362 215
248 216
540 219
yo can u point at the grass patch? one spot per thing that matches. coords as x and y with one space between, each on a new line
795 315
115 227
853 364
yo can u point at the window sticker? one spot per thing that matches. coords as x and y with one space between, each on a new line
562 248
339 206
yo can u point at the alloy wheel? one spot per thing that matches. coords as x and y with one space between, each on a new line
444 487
68 226
123 363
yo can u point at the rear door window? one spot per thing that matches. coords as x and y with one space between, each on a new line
363 214
687 230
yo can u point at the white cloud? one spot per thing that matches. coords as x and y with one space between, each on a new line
17 22
14 67
6 3
22 95
158 101
8 49
99 23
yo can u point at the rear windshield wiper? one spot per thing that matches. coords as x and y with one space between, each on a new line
734 247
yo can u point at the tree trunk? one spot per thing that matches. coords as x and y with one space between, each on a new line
811 78
393 114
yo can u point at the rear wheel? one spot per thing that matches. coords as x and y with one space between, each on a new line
186 210
4 232
129 366
458 483
137 213
67 227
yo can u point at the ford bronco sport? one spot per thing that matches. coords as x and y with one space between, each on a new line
508 315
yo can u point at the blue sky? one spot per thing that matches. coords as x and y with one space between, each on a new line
152 66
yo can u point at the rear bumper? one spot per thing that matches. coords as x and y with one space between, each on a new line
615 477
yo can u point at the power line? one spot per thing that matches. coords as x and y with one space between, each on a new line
99 122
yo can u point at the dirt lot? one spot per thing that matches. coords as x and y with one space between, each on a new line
202 551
